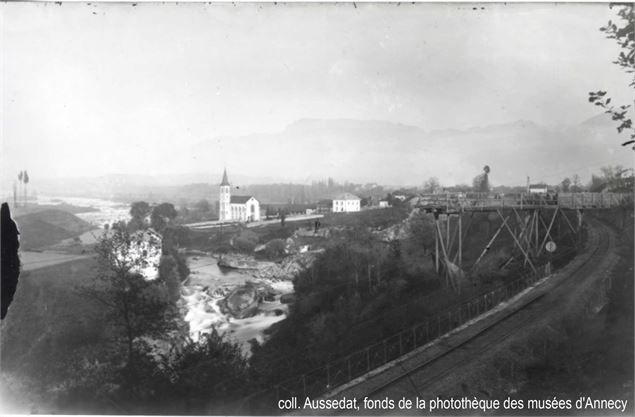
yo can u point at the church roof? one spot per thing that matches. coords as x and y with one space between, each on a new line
239 199
224 181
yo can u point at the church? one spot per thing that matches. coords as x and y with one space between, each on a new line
236 208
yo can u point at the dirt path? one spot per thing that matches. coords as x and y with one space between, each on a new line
36 260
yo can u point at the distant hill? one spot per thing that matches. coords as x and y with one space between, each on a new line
396 154
373 151
44 228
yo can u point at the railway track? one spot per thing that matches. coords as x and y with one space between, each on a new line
427 376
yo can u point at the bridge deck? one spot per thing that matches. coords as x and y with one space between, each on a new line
458 202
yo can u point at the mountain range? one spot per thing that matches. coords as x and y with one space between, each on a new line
373 151
397 154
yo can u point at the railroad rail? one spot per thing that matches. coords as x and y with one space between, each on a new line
378 367
422 372
336 376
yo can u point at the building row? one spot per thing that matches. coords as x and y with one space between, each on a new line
246 208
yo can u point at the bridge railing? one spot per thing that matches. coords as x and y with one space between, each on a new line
323 379
482 201
594 200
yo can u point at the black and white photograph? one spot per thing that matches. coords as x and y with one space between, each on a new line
317 208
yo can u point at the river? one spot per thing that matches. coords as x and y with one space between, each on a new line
208 284
205 287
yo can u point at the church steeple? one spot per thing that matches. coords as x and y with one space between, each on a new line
224 213
224 181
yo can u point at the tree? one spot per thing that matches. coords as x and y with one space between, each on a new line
203 206
134 306
432 185
611 179
162 215
565 184
26 181
211 368
576 185
20 179
480 183
169 274
624 34
139 210
15 195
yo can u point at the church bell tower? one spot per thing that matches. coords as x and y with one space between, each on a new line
224 213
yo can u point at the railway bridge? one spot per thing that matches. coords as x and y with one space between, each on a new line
532 220
413 360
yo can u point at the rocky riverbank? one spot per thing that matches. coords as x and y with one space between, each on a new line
282 271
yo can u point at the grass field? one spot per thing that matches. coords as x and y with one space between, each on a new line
44 228
47 322
378 218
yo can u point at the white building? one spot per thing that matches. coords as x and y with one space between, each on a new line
143 253
346 203
537 189
236 208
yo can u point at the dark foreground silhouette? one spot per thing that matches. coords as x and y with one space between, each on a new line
10 265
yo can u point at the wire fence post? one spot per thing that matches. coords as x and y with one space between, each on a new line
427 330
414 338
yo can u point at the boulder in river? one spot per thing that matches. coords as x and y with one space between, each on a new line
243 301
240 261
287 298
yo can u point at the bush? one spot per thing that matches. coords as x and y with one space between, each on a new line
169 273
275 249
246 241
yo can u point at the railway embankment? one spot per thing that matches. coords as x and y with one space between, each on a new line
499 355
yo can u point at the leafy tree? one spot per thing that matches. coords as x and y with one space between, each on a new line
15 195
480 183
169 274
139 211
203 206
134 306
432 185
200 367
175 236
565 184
21 180
610 179
26 181
162 215
576 185
624 34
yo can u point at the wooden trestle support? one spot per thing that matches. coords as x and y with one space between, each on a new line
530 229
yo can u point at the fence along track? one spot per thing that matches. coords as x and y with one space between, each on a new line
495 333
322 380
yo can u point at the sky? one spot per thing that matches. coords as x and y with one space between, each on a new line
93 89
